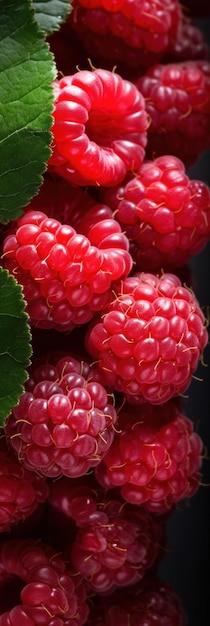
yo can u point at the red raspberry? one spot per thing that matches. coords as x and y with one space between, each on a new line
38 588
64 421
189 44
20 490
177 99
151 602
150 339
155 459
100 128
164 214
133 34
65 279
115 543
76 207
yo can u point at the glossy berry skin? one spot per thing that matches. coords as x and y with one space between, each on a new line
115 543
177 97
131 34
64 421
150 339
38 588
165 215
65 277
150 602
100 128
155 459
20 490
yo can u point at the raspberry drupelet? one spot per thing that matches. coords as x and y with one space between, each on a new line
155 458
150 338
64 421
100 128
165 215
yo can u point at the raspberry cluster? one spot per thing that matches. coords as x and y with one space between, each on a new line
98 451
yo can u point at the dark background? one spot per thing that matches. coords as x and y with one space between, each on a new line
186 566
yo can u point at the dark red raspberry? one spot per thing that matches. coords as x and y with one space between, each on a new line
64 421
100 128
165 215
115 543
151 603
177 98
20 490
65 277
189 44
150 339
155 457
38 588
131 34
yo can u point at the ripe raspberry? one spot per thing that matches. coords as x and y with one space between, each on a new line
64 421
38 588
76 207
20 490
150 339
151 602
65 279
155 459
165 215
177 98
132 34
189 44
100 128
115 543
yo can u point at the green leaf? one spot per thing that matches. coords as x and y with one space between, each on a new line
51 13
27 70
15 346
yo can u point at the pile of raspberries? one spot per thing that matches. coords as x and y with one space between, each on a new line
99 450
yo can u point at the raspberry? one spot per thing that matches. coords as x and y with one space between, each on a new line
65 279
133 34
165 215
100 128
20 490
64 421
38 588
155 459
115 543
150 339
189 44
151 602
177 98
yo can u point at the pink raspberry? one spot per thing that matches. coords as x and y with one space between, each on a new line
131 34
165 215
20 490
100 128
150 339
150 602
155 457
115 543
177 98
37 587
66 278
64 421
